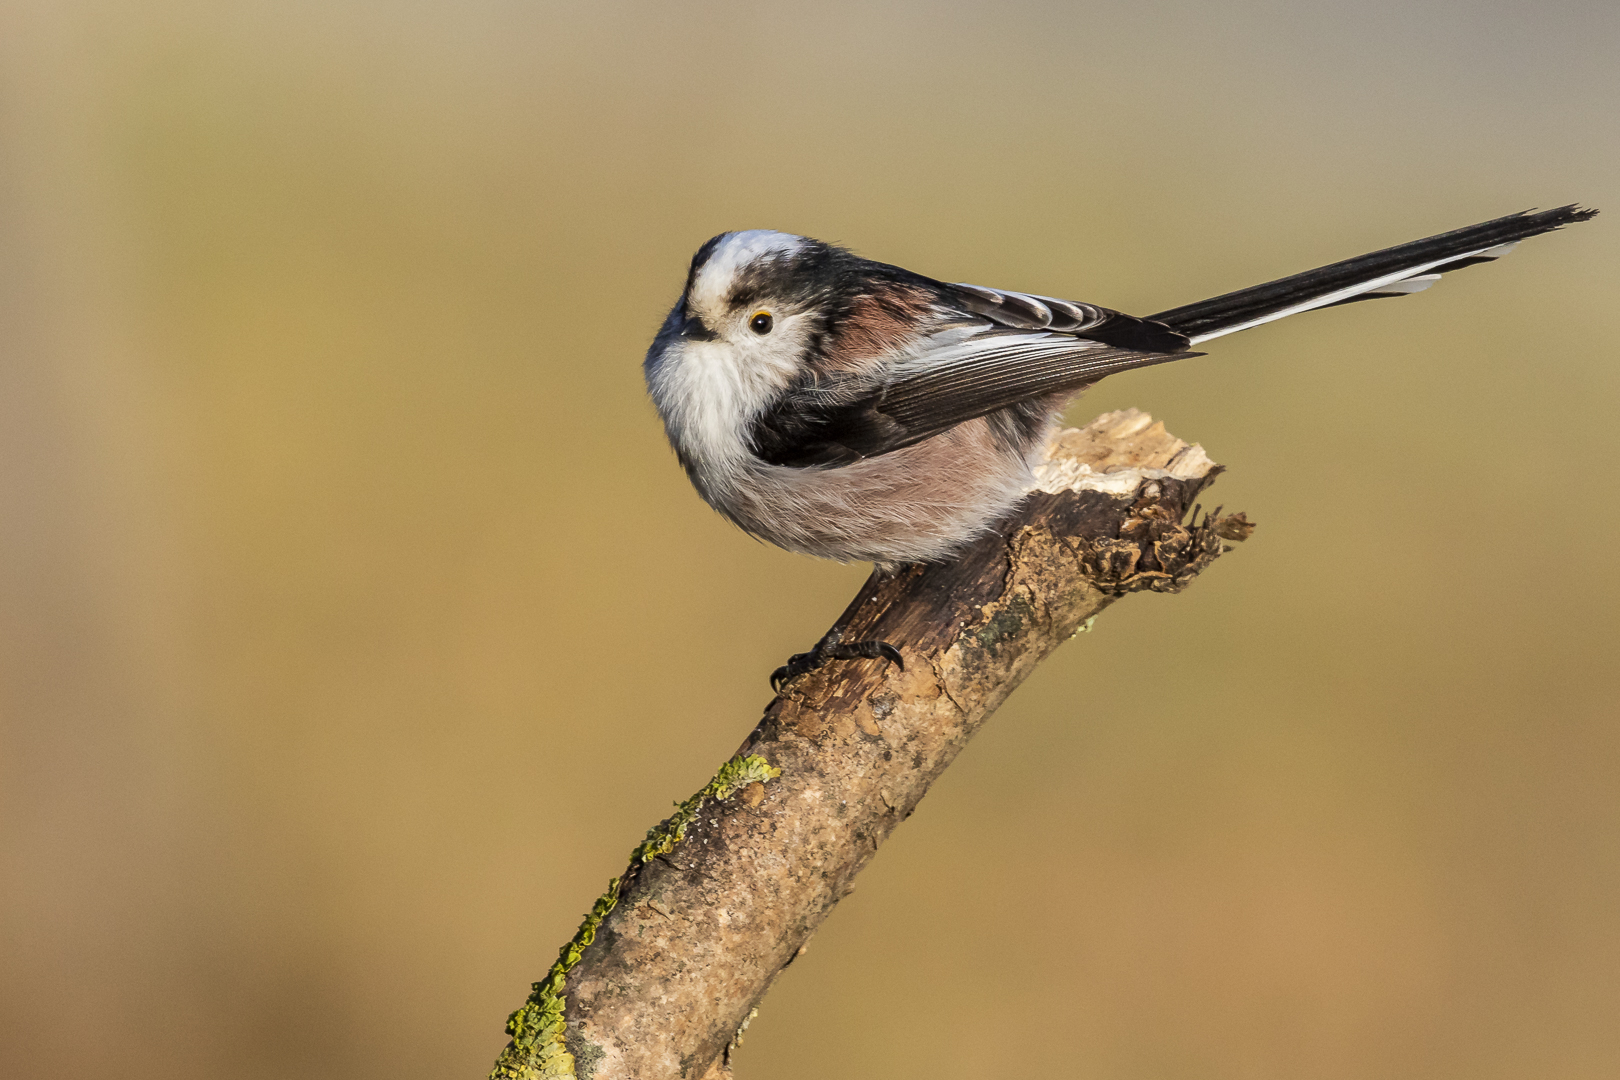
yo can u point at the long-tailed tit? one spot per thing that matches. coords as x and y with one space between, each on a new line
858 411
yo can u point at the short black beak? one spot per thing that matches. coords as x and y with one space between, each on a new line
692 329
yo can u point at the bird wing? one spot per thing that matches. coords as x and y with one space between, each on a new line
1026 311
970 367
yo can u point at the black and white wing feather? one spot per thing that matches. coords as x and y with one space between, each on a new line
1023 311
969 368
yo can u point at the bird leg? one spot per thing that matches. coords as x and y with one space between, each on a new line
834 647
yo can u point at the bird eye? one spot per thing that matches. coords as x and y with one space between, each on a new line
761 322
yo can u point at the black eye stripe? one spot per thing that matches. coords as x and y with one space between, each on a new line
761 323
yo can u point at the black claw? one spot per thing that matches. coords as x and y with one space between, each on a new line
834 647
798 664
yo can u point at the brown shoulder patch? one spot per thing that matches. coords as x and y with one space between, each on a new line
877 323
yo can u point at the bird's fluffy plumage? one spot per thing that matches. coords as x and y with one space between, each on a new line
855 410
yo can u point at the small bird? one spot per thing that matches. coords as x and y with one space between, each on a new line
854 410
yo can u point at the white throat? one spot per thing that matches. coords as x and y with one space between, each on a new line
710 392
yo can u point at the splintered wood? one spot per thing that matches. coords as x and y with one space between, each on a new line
1115 453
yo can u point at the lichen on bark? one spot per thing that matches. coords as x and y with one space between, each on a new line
539 1048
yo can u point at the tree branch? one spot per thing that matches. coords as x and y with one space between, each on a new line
673 960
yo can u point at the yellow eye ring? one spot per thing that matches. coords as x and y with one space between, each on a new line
761 323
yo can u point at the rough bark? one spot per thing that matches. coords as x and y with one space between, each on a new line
674 959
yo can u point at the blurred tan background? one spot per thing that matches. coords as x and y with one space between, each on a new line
357 620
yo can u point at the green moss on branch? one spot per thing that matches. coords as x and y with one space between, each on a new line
538 1050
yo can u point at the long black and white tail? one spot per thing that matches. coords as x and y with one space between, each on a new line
1394 271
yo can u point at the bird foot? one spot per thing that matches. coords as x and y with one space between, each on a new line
834 647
